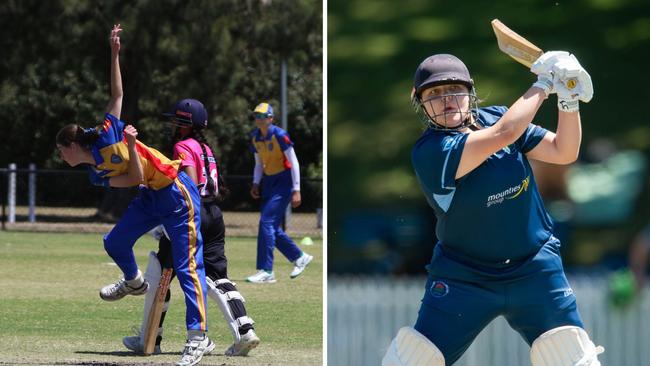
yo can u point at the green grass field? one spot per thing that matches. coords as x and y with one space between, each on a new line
51 313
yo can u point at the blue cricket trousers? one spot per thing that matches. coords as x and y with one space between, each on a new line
276 195
533 296
177 208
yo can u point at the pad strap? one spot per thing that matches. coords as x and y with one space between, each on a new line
234 295
244 320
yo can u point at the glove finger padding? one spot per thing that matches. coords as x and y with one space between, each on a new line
568 69
586 87
546 61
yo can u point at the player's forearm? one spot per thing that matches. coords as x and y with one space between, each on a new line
116 76
135 172
515 121
290 154
258 170
568 136
115 103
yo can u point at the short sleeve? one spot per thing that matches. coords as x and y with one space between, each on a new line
435 158
183 153
284 140
111 131
530 138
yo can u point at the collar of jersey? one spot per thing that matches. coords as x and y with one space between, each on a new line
269 134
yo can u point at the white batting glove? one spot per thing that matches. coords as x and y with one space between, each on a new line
572 84
545 62
545 82
543 67
574 77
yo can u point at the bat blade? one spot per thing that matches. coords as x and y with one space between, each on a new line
514 45
519 48
153 322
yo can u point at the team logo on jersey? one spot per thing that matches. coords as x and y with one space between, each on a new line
508 194
439 289
116 159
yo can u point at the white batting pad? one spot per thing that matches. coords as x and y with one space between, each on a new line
565 346
152 275
411 348
222 299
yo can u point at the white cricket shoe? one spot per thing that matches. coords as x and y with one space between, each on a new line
247 342
119 289
262 276
136 343
194 351
301 263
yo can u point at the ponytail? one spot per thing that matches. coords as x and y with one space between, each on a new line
74 133
221 185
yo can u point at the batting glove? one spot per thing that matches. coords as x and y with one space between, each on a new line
543 68
544 64
545 82
574 77
572 84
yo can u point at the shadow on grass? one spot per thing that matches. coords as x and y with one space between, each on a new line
122 353
103 363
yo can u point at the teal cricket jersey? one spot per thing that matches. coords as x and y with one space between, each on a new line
492 216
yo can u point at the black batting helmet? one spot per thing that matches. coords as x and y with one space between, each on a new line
441 69
189 112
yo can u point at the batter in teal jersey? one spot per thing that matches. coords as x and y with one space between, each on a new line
496 253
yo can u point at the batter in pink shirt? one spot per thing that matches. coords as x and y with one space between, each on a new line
191 154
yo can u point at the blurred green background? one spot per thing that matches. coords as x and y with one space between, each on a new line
55 70
378 220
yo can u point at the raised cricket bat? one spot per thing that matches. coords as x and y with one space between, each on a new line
519 48
153 323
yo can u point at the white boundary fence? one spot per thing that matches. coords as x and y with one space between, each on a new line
365 313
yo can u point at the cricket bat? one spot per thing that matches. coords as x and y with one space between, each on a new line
153 322
519 48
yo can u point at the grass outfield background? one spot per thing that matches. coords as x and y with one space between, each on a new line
51 313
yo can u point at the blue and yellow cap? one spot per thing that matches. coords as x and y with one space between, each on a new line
264 109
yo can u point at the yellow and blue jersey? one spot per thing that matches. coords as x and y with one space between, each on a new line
111 156
271 149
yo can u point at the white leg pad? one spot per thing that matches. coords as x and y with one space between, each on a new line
152 275
221 298
411 348
565 346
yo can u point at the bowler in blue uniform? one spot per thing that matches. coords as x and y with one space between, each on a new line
496 253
